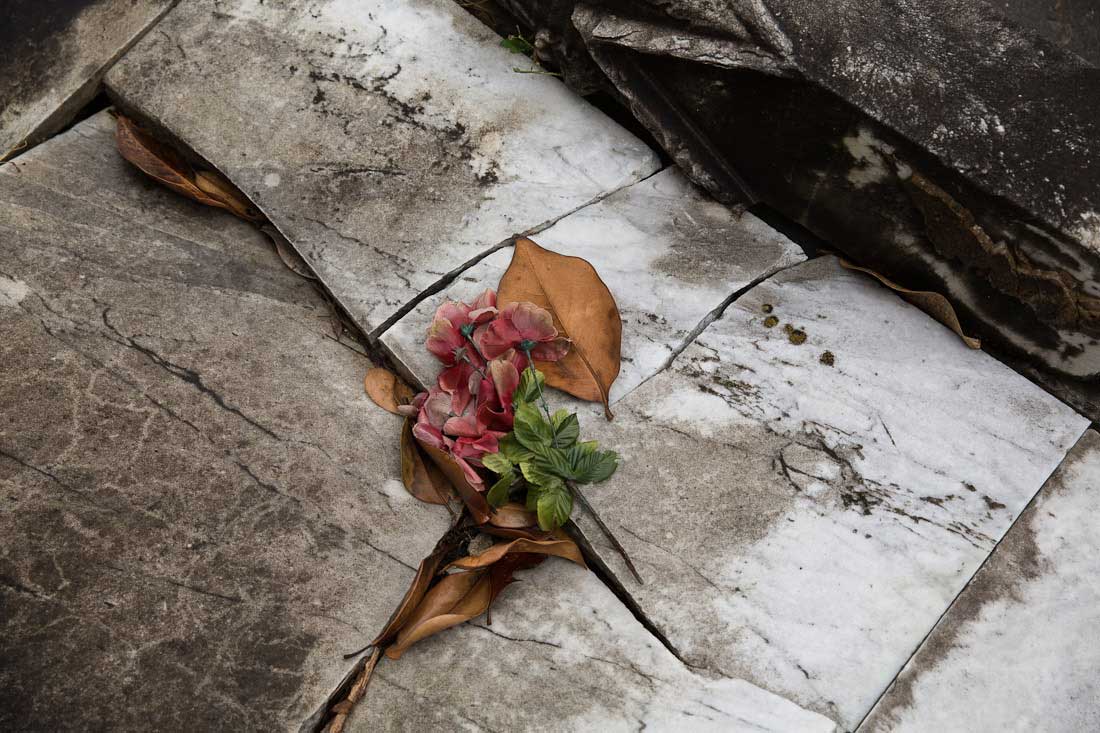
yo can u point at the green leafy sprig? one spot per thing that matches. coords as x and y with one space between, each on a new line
542 461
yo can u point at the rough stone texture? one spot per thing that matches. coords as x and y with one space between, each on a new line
563 654
804 501
200 511
55 55
1072 24
671 255
1018 649
1001 124
389 140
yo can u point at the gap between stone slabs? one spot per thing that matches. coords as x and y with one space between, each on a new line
400 147
672 257
804 500
1018 647
55 57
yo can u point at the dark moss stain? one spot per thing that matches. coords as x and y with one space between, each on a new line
795 335
767 308
827 358
993 505
771 322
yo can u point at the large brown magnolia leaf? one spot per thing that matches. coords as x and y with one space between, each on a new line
583 309
422 478
471 497
164 164
931 303
386 389
559 546
514 515
429 566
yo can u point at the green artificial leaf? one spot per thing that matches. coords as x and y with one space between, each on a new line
498 463
531 428
531 384
567 428
593 467
518 44
589 446
554 507
537 474
533 497
513 450
498 494
554 462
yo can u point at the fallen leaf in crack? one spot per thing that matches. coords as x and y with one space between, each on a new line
386 389
931 303
460 596
584 310
514 515
455 599
422 478
559 546
161 162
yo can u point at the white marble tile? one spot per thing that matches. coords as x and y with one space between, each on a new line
389 140
1019 649
669 254
563 654
802 525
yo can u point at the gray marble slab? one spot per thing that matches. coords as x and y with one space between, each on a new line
805 500
389 140
200 510
54 57
1018 650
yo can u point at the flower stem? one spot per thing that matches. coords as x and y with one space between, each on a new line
606 530
475 366
534 375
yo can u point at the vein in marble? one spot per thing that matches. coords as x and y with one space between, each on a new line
802 524
670 255
399 146
1018 649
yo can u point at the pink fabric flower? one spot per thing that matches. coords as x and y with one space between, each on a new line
454 322
522 326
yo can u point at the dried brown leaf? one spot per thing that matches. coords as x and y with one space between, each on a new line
421 476
455 599
514 515
429 566
217 187
560 546
584 310
386 389
931 303
159 161
473 499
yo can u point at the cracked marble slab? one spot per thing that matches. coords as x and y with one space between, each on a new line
1018 649
563 654
670 255
55 55
195 523
400 144
814 479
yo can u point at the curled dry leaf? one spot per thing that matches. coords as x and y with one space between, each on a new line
584 310
463 595
217 187
473 499
514 515
386 389
164 164
455 599
559 546
931 303
421 476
